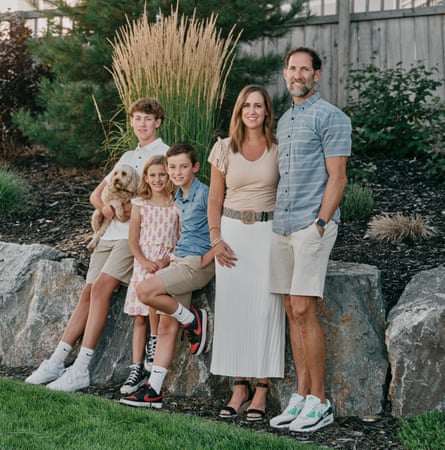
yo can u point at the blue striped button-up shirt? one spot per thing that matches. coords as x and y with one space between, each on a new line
307 133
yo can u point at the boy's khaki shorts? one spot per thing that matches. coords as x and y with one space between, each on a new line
299 261
113 258
185 275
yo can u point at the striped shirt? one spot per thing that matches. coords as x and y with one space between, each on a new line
307 133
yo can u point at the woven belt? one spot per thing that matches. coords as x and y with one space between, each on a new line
248 216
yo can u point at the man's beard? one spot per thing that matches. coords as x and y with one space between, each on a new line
300 92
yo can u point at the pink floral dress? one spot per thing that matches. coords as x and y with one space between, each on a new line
158 235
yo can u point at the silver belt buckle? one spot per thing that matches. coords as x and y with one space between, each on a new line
248 216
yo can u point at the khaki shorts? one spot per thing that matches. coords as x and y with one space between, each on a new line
113 258
299 261
185 275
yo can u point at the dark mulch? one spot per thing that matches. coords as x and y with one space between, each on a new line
59 216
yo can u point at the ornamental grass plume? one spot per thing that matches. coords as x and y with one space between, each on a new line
184 63
396 229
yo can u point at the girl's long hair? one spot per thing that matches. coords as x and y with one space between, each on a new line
237 129
144 189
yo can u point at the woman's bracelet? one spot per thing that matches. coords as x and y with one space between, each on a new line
214 228
215 242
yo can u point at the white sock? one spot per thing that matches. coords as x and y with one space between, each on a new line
83 359
60 353
157 378
183 315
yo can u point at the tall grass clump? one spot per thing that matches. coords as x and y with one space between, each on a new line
357 202
399 227
13 191
184 63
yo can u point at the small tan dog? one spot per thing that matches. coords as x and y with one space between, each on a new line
119 191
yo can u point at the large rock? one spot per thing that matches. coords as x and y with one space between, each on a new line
38 291
40 288
415 338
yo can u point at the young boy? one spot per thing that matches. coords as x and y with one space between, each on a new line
191 268
111 264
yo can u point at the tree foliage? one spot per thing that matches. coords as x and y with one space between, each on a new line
69 126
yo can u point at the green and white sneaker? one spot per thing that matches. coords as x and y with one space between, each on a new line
290 413
315 415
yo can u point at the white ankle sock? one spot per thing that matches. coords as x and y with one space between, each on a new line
183 315
83 359
60 353
157 378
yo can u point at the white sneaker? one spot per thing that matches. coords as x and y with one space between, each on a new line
46 372
290 413
315 415
71 380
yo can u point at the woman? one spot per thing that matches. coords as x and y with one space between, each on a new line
249 321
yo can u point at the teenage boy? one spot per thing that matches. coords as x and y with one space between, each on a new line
191 268
111 264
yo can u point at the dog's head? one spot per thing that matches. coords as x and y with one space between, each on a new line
125 178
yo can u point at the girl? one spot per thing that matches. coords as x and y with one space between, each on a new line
154 230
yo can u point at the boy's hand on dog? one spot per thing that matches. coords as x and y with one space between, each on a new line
127 213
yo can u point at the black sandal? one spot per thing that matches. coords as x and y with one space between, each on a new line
255 415
231 412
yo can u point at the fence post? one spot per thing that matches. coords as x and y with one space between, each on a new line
343 8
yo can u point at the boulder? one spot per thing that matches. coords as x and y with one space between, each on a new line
39 288
38 291
415 338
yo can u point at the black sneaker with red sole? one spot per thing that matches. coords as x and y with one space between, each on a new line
196 331
144 397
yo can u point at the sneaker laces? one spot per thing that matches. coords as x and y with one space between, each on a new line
135 372
151 348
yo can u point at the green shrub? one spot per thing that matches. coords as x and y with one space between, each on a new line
394 111
357 202
424 432
435 164
360 171
19 75
13 191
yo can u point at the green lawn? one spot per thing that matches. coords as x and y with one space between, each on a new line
33 417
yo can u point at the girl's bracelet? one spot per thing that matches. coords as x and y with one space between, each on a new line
214 228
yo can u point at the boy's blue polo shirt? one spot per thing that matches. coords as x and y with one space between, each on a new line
195 236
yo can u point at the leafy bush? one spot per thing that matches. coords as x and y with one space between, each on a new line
424 432
395 111
13 191
360 171
357 202
19 75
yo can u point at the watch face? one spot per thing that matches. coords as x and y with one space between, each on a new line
321 223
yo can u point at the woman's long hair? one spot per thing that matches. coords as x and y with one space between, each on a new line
237 128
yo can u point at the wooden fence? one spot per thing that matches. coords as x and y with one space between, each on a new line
354 40
349 39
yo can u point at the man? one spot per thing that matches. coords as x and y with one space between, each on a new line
314 144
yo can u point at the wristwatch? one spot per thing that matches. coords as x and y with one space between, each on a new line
321 223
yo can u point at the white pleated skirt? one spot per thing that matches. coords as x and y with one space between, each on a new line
249 325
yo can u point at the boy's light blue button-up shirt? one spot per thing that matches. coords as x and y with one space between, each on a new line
195 236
